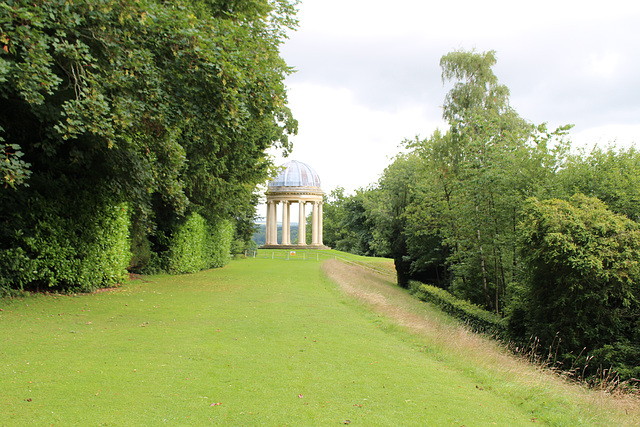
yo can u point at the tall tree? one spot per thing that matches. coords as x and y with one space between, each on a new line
347 226
387 208
478 174
486 134
333 214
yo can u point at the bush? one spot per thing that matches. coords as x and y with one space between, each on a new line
197 245
188 246
220 247
64 248
477 318
583 276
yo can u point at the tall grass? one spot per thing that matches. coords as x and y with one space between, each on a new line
525 382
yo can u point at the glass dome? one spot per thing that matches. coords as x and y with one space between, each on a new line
296 174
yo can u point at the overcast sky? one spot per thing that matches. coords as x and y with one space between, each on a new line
368 73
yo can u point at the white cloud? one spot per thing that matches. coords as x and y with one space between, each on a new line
346 142
369 76
603 65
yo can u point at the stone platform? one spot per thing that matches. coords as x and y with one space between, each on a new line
295 247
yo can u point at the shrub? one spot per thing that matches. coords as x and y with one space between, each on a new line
64 248
583 276
477 318
188 246
108 255
220 247
196 245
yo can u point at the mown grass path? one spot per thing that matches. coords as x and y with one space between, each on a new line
259 342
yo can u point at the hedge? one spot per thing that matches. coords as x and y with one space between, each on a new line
475 317
196 245
63 248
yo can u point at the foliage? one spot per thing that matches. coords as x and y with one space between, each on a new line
474 316
611 175
387 206
188 248
14 170
141 100
244 225
461 224
48 253
196 245
485 166
220 246
333 215
448 212
346 224
583 275
150 85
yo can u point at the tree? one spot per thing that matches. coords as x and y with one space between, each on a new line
346 222
611 175
358 220
482 169
583 265
333 218
140 100
387 209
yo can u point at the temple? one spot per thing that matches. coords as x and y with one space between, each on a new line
297 183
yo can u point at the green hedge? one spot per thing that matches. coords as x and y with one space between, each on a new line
477 318
196 245
64 248
222 236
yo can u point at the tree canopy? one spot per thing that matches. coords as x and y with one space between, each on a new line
487 210
169 107
180 99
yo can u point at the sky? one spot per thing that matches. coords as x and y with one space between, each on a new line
368 76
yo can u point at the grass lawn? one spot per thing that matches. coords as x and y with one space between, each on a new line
259 342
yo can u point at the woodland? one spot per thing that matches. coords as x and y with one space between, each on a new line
507 215
134 135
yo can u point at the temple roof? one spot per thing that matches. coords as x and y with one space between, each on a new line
296 174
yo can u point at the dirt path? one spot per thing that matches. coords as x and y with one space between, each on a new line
381 294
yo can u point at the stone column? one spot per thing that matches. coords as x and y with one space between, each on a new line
314 224
302 225
267 240
286 224
320 223
274 223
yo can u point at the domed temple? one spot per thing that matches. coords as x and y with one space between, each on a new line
297 183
